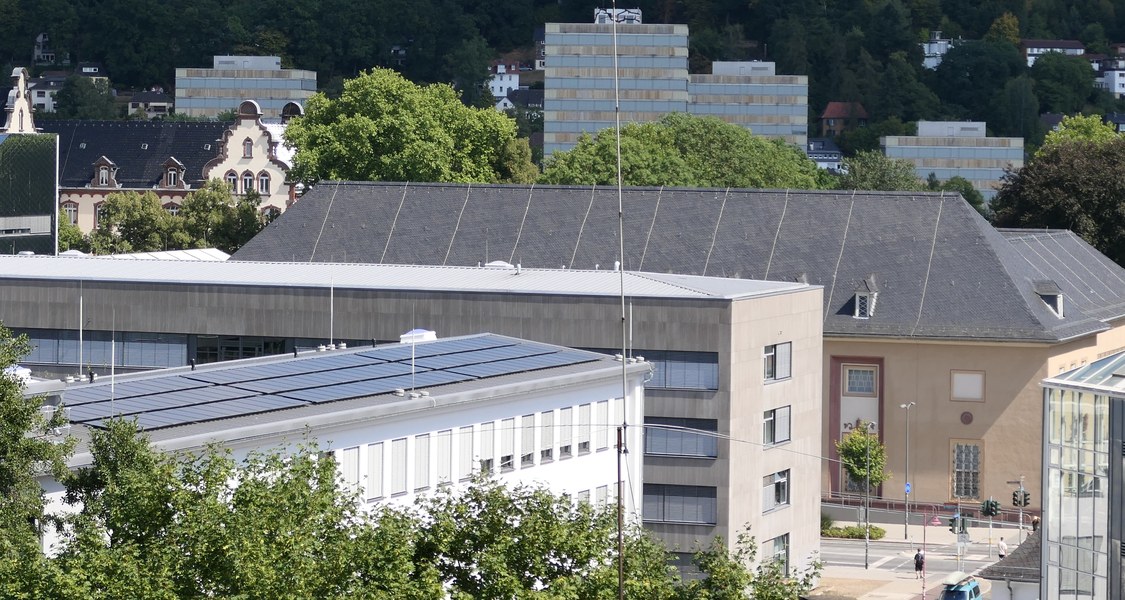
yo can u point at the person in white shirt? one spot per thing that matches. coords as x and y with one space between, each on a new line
1003 548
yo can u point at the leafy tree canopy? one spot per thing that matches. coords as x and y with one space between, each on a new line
863 456
961 186
685 151
83 98
1073 184
385 128
1088 128
872 170
1063 83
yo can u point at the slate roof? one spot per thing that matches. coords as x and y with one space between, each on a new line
1022 564
943 272
81 143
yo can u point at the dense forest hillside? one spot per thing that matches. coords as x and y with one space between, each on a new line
852 50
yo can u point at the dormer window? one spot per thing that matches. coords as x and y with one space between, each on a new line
866 294
173 177
1051 295
103 176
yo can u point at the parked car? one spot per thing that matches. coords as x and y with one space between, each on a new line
959 586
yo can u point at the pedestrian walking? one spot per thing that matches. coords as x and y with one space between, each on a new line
1003 549
919 564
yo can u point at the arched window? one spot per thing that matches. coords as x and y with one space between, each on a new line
70 209
232 181
103 176
247 148
247 182
172 208
100 214
264 183
173 177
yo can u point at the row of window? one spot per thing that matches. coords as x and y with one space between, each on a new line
248 180
384 468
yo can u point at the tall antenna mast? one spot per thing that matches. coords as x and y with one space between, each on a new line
624 339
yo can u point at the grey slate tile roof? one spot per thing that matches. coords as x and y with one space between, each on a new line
941 270
81 143
1021 565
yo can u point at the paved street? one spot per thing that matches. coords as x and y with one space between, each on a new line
890 572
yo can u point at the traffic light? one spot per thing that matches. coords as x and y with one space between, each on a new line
954 526
1016 498
990 508
1026 498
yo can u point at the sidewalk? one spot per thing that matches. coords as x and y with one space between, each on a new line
840 583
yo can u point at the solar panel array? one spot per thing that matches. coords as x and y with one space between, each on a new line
227 391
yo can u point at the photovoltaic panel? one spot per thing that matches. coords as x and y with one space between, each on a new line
128 406
361 389
209 412
446 361
80 394
297 382
519 365
308 364
402 351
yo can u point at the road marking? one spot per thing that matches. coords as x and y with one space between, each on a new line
882 561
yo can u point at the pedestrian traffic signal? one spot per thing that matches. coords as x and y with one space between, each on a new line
1026 498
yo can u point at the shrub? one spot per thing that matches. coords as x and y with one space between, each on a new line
854 532
826 522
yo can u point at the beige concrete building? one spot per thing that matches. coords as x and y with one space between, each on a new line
924 301
957 149
209 92
732 408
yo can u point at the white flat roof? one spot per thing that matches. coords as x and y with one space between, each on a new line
511 280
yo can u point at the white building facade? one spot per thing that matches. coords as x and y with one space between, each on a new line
208 92
957 149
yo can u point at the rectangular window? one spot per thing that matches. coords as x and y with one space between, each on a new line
583 435
443 449
775 426
421 462
966 467
602 495
681 437
349 467
464 453
375 470
601 426
778 548
487 447
967 386
398 466
527 441
566 432
584 496
547 437
173 177
777 361
679 504
682 370
859 381
775 490
507 444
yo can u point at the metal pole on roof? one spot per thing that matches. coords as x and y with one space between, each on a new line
624 339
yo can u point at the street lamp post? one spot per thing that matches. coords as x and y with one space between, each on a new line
867 493
906 475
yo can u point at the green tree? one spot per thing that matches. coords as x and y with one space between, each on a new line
29 448
385 128
683 150
1063 83
1081 128
132 222
213 217
867 138
71 237
1006 28
872 170
961 186
1070 184
862 455
1017 113
83 98
972 73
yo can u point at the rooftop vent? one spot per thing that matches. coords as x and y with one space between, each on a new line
417 335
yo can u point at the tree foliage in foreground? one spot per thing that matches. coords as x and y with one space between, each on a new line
684 150
385 128
872 170
1070 184
151 525
862 455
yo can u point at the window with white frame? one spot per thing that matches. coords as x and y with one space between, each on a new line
398 466
864 304
348 465
965 465
582 436
487 447
679 504
681 437
602 495
566 432
777 361
232 181
527 441
859 381
103 175
264 183
247 182
778 549
775 490
247 148
443 453
173 177
776 426
375 470
464 453
101 214
421 462
583 496
601 425
507 444
172 208
547 436
70 209
966 386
